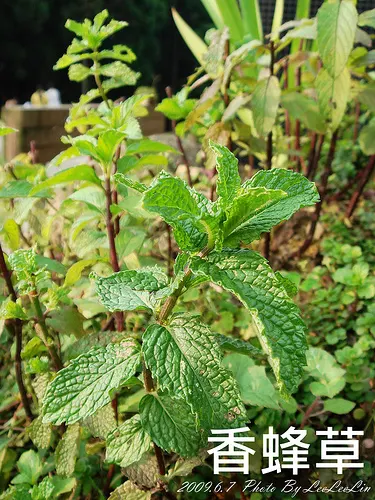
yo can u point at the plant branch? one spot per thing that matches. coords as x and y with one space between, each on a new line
181 148
312 168
309 411
322 192
365 177
16 327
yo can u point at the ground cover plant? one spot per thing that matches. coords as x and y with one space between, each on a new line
151 295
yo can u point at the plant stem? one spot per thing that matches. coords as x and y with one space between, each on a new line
112 245
322 192
46 337
311 171
181 148
356 120
16 326
365 177
170 251
267 236
311 156
309 411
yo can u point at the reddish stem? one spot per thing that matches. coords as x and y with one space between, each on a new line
365 177
311 171
356 120
309 411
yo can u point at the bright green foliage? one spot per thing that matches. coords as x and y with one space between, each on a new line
170 424
102 422
129 290
337 23
280 328
127 443
84 386
333 95
185 360
40 433
301 107
228 178
66 451
129 491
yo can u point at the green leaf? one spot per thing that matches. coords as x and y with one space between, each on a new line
339 406
84 386
277 16
301 107
231 16
251 18
192 40
78 72
368 59
330 377
12 233
228 180
237 345
108 142
185 360
75 271
170 424
21 189
10 310
129 162
280 328
129 491
255 387
7 130
30 467
367 18
40 434
131 183
78 173
337 22
127 443
34 347
178 206
264 104
92 196
148 146
66 451
300 193
366 138
175 108
102 423
366 96
333 95
129 290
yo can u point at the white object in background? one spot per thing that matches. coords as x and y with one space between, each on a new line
53 96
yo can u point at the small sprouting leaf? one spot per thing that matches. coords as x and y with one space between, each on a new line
84 386
170 424
300 193
228 179
10 310
280 328
264 104
66 451
337 23
78 173
127 443
75 271
195 374
108 142
129 290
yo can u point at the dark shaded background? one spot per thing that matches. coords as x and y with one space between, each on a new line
33 37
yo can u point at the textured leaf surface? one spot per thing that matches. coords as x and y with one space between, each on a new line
127 443
129 290
281 330
237 345
84 386
186 361
129 491
145 472
171 198
170 424
66 451
102 422
333 95
264 104
300 193
337 22
228 179
40 434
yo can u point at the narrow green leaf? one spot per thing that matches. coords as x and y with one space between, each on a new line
185 360
78 173
192 40
214 13
280 328
170 424
84 386
333 95
264 104
300 193
278 16
66 451
129 290
7 130
231 16
252 20
228 180
337 22
127 443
